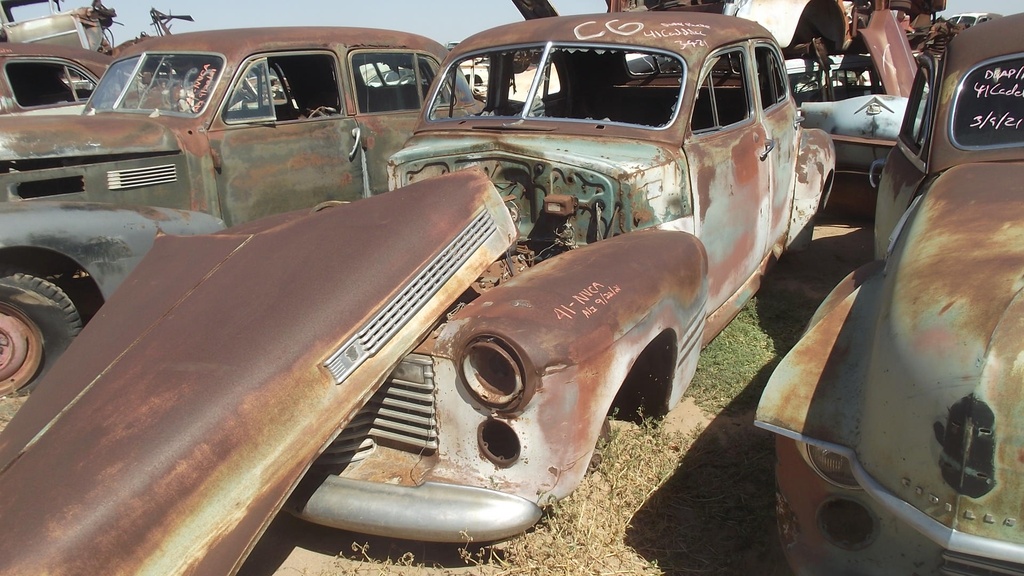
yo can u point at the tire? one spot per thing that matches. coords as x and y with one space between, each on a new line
37 323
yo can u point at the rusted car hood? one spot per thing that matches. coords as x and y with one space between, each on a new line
927 353
182 417
71 136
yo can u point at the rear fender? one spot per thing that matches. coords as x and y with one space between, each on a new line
815 165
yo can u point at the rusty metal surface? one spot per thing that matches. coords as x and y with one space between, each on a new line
79 27
587 327
194 144
709 189
104 241
189 158
972 46
907 167
890 51
92 61
578 323
892 549
238 43
915 370
183 443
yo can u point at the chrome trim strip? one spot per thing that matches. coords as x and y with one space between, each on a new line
431 512
138 177
948 538
428 282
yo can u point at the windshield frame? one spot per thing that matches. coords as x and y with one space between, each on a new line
452 65
115 87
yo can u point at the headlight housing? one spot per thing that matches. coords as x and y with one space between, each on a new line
493 373
833 467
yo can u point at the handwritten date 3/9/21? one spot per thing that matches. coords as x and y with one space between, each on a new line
996 121
588 301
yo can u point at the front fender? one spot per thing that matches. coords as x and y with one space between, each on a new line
104 240
817 389
578 324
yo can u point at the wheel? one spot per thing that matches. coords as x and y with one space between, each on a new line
37 323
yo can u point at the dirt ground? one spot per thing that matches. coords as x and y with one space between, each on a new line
292 547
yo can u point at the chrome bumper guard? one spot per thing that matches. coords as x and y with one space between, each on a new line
431 512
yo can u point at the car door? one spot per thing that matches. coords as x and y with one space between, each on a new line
285 141
389 88
729 181
778 114
907 164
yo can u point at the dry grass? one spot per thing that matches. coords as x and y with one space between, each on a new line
662 503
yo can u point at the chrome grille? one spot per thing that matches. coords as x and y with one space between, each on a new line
401 412
956 564
137 177
372 337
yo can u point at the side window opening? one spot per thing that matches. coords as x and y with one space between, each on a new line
723 96
285 88
428 69
47 83
770 79
915 123
388 81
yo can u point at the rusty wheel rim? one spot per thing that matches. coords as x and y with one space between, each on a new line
21 349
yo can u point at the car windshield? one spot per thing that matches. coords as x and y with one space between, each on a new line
178 84
603 84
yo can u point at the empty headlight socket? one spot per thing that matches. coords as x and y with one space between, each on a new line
498 442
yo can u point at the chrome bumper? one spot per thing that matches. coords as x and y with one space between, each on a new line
431 512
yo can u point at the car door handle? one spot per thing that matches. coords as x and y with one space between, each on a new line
875 172
357 134
769 145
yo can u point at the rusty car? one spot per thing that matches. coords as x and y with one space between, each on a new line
850 63
592 127
437 362
238 124
47 79
897 414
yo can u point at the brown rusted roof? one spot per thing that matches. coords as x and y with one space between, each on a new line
94 61
690 34
236 43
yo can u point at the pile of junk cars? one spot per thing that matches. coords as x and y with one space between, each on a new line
431 294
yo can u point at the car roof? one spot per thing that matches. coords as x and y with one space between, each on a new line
690 34
237 43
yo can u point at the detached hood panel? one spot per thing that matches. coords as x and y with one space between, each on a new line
179 421
76 136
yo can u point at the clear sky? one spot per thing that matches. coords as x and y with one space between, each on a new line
444 21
